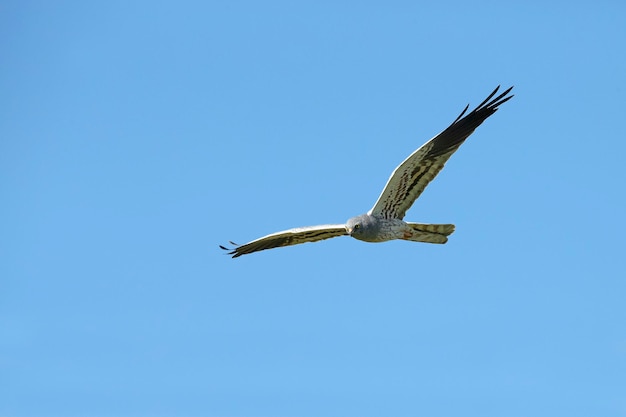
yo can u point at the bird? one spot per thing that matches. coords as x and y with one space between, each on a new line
384 221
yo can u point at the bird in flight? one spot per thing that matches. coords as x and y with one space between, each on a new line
384 221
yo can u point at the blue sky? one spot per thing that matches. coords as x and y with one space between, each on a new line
137 136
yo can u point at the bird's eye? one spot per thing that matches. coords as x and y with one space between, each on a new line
356 226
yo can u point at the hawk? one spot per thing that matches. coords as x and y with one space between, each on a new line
384 221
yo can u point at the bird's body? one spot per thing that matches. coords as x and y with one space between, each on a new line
374 228
385 220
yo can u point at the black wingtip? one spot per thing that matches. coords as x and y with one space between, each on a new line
466 123
462 113
231 251
493 103
485 101
501 98
489 104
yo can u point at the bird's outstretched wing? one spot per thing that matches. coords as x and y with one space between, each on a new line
410 178
288 237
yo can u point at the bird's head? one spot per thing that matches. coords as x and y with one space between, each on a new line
361 227
353 225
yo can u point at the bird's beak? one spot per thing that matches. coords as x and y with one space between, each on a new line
349 230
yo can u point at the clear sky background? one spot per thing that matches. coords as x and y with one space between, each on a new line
137 136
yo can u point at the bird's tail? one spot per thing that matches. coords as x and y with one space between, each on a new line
429 233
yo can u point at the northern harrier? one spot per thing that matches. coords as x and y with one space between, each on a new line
384 221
